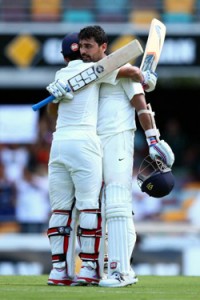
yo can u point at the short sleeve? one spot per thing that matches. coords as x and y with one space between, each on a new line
131 88
111 78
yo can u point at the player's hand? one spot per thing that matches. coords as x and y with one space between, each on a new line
162 150
149 80
59 90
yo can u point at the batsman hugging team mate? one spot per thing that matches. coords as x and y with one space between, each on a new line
75 165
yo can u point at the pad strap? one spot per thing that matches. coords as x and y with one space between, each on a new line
89 256
62 212
58 257
89 232
62 230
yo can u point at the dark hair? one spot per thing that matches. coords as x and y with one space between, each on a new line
73 56
95 32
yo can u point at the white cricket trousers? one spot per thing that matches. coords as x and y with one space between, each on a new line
75 170
118 152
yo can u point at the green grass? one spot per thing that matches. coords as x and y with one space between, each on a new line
148 288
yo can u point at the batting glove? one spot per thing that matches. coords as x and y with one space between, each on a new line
162 150
150 80
59 90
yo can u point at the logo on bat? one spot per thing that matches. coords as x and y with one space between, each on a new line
149 61
99 69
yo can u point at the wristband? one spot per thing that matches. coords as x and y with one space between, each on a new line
151 141
151 132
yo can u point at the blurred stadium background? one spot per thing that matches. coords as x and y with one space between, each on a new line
31 32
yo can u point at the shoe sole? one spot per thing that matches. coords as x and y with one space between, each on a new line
87 281
59 283
106 284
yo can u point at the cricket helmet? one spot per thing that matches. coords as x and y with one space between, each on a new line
155 178
70 45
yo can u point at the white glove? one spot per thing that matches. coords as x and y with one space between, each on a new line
150 80
162 150
59 90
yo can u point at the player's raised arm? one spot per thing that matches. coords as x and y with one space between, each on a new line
157 148
148 78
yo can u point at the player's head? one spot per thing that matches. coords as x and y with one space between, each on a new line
93 43
70 47
155 178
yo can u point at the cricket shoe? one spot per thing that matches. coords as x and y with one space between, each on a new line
60 277
118 280
133 275
88 274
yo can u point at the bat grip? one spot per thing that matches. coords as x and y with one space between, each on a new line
42 103
46 101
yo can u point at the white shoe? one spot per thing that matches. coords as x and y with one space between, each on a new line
118 280
60 277
88 274
132 274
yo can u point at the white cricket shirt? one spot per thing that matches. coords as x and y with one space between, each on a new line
80 113
115 111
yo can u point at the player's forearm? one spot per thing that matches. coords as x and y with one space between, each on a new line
52 110
148 79
128 71
139 103
145 121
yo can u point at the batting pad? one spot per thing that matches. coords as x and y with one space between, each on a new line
103 249
58 242
131 236
117 215
87 221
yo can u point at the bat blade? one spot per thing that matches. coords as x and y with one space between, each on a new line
106 65
100 69
154 46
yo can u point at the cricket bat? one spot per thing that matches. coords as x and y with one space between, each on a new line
100 69
154 46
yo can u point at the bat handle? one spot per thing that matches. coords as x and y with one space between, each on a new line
43 103
153 121
47 100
